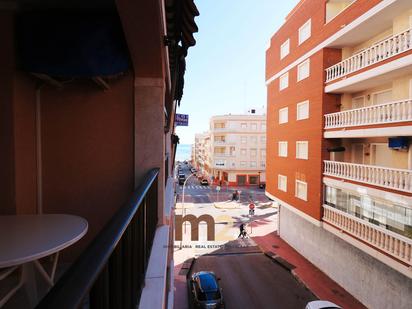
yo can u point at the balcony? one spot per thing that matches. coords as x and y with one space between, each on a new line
379 52
392 244
385 177
392 112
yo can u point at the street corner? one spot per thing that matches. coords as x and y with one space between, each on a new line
227 205
186 205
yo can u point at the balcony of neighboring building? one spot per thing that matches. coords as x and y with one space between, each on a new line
382 163
378 224
385 110
373 51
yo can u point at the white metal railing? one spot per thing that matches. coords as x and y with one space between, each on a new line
396 111
392 178
385 49
387 241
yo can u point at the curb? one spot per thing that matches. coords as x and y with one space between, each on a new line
303 283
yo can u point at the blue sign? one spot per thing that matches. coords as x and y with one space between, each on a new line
182 120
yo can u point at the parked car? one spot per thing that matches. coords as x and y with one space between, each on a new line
205 290
204 182
262 185
182 178
321 304
193 170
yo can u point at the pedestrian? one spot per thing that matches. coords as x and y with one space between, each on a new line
242 231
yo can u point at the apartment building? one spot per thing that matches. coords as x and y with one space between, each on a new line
237 150
87 103
339 85
201 152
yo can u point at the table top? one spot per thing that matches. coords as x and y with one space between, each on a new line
25 238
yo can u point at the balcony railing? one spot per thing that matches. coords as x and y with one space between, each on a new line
391 178
110 273
393 244
391 112
378 52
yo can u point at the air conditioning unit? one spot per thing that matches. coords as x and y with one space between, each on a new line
398 143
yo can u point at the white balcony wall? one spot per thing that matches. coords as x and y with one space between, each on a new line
391 243
378 52
397 111
391 178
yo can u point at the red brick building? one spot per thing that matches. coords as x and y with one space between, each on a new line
339 160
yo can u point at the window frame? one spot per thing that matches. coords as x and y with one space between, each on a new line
307 149
284 76
284 44
285 178
279 148
298 77
287 114
309 24
297 109
296 190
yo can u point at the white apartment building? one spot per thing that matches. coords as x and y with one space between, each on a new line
237 154
201 150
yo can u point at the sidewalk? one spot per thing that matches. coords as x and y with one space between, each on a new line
314 279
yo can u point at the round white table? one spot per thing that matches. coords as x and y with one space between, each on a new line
24 239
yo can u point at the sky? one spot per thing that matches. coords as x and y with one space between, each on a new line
225 70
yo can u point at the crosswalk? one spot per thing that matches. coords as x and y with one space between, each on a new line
193 187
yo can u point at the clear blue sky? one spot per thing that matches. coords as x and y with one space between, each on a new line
226 69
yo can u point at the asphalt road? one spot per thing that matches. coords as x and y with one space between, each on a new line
196 193
252 280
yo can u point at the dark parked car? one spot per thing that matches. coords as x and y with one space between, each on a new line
204 182
182 179
205 290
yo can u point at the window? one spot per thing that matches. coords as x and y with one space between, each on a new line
301 190
253 139
263 126
282 183
243 139
263 164
302 110
335 7
284 49
243 125
284 81
283 115
283 149
252 163
302 150
263 153
243 152
243 163
304 31
263 140
253 126
253 152
304 70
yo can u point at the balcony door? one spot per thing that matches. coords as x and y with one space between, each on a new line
358 102
381 154
382 97
358 153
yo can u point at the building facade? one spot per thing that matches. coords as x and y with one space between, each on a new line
201 153
339 84
235 149
87 129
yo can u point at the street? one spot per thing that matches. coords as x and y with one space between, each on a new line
249 278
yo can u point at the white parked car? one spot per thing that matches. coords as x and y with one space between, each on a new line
321 304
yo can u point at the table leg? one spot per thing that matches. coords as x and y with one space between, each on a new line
29 279
10 293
